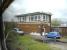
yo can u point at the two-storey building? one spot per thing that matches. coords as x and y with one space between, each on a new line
35 22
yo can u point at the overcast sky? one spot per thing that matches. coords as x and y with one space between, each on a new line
57 7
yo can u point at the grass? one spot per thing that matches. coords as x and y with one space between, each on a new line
28 43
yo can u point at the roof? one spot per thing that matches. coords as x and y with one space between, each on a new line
35 13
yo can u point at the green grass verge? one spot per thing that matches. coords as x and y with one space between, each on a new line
28 43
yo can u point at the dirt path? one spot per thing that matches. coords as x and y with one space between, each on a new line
55 45
59 45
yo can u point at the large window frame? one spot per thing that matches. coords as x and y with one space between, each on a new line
23 19
46 18
38 17
34 18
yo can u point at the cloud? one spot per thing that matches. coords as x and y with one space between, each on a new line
57 7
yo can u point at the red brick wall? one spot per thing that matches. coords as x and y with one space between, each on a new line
33 27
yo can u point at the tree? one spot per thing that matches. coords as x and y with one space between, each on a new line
55 22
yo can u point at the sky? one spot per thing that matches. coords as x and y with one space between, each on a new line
58 8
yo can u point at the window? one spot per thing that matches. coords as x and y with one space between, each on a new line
39 17
47 18
35 18
29 19
44 17
23 19
32 18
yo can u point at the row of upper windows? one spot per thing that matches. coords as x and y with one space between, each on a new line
36 18
44 17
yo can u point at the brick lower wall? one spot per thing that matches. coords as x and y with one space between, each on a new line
33 27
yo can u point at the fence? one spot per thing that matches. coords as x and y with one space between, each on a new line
62 30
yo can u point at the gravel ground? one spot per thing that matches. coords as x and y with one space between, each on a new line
60 46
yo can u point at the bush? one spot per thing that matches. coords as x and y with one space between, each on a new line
12 39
